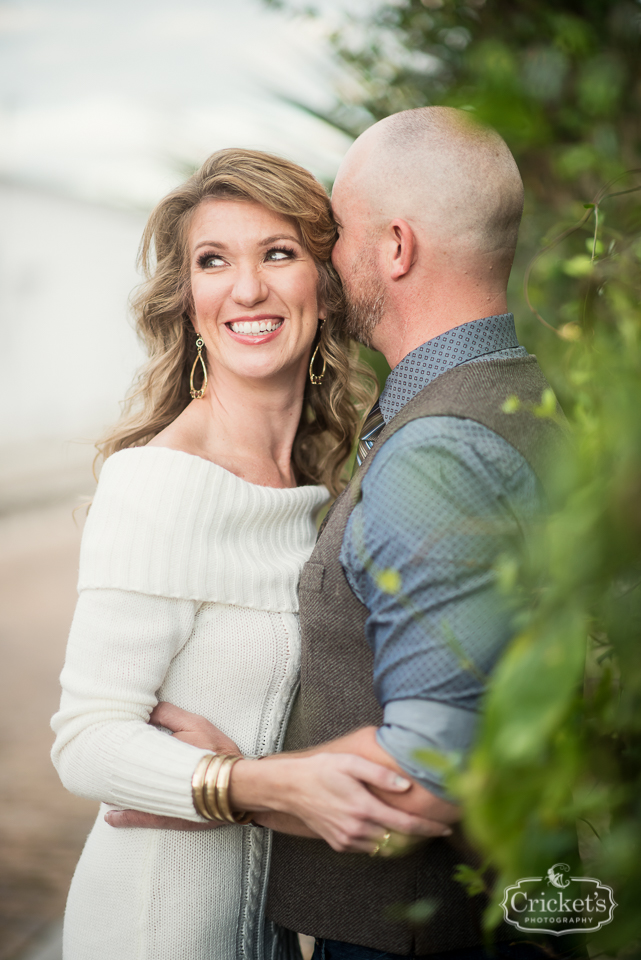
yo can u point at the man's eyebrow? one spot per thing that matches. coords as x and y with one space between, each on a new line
261 243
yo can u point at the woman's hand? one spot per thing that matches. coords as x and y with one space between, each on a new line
329 793
191 728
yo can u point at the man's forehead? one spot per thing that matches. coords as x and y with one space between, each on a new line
353 161
340 198
347 206
347 192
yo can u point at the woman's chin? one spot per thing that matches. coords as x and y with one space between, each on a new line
272 372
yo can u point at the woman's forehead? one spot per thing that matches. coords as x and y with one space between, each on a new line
246 219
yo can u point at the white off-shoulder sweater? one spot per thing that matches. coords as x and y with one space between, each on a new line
188 593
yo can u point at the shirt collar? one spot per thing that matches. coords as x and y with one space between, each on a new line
427 362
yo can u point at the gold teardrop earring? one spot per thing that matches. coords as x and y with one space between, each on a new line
198 394
318 379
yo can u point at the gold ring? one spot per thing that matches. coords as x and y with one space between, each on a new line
381 843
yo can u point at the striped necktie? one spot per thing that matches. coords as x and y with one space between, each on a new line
373 425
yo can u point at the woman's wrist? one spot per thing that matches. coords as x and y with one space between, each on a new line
262 787
210 789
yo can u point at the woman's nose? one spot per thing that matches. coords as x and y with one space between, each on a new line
249 288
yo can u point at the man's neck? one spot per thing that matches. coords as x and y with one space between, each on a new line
403 329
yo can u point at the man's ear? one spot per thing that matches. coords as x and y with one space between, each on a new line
403 248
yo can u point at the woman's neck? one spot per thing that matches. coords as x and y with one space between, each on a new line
246 426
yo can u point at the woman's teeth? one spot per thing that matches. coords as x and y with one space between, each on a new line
256 326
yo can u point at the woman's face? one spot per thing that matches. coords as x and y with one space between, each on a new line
254 289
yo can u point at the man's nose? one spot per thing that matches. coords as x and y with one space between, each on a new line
249 288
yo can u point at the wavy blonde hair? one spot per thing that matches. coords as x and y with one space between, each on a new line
331 411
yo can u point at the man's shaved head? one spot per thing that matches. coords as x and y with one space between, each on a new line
455 185
437 167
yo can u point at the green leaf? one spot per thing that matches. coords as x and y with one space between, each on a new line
416 914
578 266
511 405
434 759
388 580
471 879
547 407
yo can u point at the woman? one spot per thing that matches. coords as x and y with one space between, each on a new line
204 515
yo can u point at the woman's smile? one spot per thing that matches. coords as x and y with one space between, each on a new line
259 329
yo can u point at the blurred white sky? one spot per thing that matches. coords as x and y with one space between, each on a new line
103 106
109 99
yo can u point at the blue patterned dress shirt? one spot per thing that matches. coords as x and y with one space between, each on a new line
442 499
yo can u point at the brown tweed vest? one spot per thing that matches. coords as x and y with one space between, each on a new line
348 897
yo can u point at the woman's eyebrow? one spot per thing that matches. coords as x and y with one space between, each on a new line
278 236
261 243
210 243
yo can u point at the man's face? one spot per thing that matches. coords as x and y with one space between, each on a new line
355 256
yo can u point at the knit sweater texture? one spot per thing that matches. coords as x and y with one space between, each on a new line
187 593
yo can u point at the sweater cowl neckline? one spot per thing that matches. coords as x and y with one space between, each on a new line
167 454
167 523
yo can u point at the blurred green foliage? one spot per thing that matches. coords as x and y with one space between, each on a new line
560 742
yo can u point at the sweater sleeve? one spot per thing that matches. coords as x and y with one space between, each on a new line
120 647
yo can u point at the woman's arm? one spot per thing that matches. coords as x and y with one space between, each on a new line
318 793
120 647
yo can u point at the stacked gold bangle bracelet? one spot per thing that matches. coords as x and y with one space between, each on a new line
210 788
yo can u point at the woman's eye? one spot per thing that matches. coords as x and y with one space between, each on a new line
210 260
277 254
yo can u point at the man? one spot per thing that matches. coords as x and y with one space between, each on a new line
401 620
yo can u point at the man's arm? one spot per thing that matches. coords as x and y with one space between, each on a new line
439 504
328 794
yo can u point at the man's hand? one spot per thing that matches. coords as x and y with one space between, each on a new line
190 728
136 818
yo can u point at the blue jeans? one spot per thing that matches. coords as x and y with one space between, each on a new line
335 950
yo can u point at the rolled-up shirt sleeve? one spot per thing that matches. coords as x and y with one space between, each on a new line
414 729
442 499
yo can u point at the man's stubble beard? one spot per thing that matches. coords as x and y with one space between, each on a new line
365 300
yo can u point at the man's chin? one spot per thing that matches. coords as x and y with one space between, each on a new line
360 337
361 323
364 302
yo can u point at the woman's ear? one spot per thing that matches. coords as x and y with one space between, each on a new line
402 244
